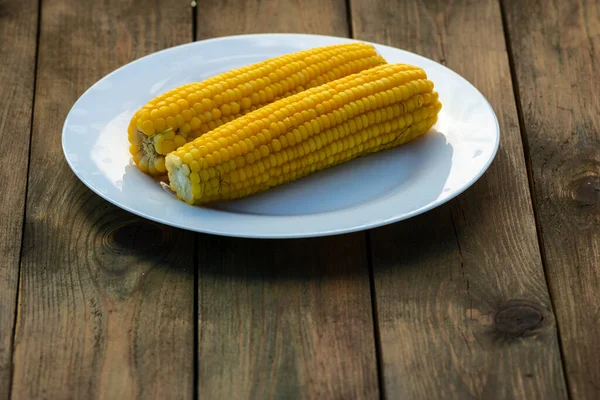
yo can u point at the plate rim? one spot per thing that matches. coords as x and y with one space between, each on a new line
288 235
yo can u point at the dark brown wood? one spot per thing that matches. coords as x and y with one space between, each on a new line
236 17
289 318
285 319
18 30
462 304
556 52
106 299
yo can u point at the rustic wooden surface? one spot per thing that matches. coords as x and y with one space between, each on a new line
106 301
274 315
493 295
556 51
285 319
18 30
463 267
237 17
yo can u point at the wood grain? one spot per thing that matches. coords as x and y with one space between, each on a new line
290 318
462 304
556 52
285 319
106 299
236 17
18 30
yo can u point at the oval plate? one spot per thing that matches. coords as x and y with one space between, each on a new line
368 192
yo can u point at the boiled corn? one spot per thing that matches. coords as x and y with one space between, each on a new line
182 114
356 115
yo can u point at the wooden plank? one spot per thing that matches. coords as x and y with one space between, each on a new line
463 307
285 319
556 53
18 30
106 300
237 17
289 318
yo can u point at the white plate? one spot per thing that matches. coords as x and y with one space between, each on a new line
364 193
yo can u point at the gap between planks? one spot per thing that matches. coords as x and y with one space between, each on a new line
374 312
530 179
196 298
18 292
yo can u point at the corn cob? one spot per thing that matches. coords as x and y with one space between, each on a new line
182 114
359 114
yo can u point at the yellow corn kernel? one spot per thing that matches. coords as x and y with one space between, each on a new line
160 165
179 141
167 147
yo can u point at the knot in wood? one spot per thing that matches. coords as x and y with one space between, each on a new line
585 191
579 189
136 236
517 318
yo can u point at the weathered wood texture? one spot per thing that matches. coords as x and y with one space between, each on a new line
106 299
291 318
463 307
285 319
18 30
556 52
236 17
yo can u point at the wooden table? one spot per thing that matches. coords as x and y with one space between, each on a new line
493 295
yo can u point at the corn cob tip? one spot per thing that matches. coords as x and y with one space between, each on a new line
179 178
145 155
